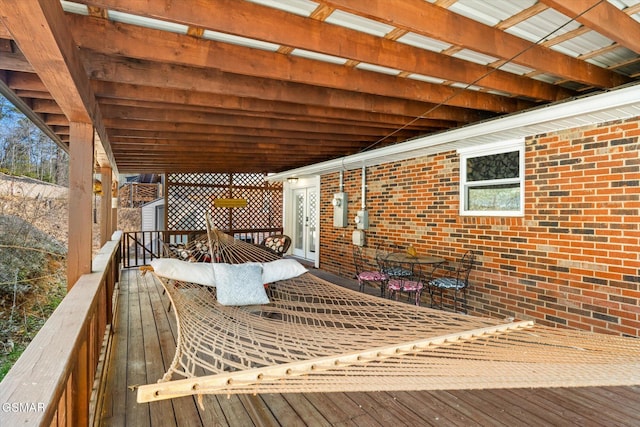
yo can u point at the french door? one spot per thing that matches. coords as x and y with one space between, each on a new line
305 219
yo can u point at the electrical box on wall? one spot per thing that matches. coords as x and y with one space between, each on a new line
362 220
358 237
339 203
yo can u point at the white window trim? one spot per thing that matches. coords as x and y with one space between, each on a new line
487 150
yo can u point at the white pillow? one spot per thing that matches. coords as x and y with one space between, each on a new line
239 284
184 271
281 269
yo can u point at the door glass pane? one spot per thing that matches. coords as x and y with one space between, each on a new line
299 221
311 238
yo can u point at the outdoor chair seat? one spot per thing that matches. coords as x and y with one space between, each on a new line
365 274
448 283
371 276
457 280
410 285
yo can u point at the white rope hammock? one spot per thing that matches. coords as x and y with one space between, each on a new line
314 336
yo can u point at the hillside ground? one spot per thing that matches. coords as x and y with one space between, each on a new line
33 245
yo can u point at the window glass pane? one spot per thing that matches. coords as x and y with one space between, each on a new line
505 197
495 166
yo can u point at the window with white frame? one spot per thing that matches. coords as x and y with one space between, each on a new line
492 179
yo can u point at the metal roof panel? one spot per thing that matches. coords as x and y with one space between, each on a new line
548 24
423 42
490 12
298 7
358 23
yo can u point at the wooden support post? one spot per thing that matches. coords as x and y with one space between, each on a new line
80 195
105 206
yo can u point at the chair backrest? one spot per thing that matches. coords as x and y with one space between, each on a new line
464 267
278 243
358 259
381 255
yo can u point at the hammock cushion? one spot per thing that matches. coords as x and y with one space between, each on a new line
281 269
184 271
240 284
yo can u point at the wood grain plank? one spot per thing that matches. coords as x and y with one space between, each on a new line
113 413
336 414
551 404
148 310
186 410
433 410
154 364
515 408
627 410
137 414
480 417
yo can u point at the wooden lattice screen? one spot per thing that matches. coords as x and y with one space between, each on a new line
190 196
135 194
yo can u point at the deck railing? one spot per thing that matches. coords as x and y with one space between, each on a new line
52 382
140 247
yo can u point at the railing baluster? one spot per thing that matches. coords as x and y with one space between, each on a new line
135 241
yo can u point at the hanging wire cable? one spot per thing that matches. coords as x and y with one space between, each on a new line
467 86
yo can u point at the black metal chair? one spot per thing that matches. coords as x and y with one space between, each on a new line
456 280
365 274
403 280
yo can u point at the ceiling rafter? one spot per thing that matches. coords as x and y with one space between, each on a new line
229 85
377 109
290 112
521 16
152 45
411 14
603 17
40 30
340 42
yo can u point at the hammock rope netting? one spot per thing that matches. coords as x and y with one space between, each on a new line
315 336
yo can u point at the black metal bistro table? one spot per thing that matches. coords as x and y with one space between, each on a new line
412 260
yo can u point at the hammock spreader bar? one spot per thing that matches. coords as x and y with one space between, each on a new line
252 377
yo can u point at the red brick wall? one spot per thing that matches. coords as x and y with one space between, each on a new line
572 260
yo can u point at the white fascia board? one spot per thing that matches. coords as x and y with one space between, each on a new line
620 103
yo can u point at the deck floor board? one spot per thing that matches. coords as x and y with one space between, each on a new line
144 343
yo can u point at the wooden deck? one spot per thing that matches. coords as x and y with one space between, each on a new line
144 344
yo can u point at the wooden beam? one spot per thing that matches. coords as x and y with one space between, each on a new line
266 124
149 73
15 62
80 199
267 109
281 98
37 119
279 27
370 120
521 16
442 24
145 130
231 143
604 18
160 46
40 29
177 117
